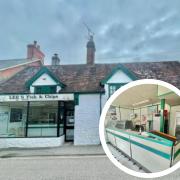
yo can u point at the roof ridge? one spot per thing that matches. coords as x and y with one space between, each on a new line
116 63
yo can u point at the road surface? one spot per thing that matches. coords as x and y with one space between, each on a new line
96 167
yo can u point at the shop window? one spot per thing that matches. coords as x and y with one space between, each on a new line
43 115
45 89
13 117
16 115
42 119
114 87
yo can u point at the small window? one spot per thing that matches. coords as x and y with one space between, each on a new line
114 87
16 115
45 89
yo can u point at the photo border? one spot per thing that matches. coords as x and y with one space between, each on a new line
102 130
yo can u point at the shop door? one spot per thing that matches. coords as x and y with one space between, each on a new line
69 122
4 116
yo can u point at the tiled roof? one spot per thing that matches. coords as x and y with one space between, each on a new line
86 78
4 64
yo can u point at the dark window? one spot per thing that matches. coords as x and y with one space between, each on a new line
114 87
45 89
16 115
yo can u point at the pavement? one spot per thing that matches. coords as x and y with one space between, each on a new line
67 149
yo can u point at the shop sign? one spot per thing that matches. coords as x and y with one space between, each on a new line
36 97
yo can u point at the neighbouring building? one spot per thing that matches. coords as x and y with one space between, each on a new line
35 57
45 106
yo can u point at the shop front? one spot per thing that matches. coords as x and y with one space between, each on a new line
37 116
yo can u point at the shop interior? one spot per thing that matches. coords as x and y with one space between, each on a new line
143 123
147 108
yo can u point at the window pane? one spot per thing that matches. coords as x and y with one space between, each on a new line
13 119
114 87
45 89
16 115
43 118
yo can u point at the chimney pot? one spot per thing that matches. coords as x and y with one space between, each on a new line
34 52
35 43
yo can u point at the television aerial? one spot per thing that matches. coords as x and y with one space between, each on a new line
90 32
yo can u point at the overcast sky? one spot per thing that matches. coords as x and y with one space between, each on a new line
125 30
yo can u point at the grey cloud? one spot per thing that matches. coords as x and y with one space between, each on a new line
125 30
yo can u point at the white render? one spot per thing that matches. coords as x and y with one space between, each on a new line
44 79
119 77
87 115
31 142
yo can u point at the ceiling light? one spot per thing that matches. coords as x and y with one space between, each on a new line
141 102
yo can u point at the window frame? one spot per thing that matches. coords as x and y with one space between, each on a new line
116 85
21 115
52 89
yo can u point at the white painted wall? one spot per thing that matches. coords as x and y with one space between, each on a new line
87 115
44 79
119 77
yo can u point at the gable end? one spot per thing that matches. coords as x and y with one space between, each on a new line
42 71
125 70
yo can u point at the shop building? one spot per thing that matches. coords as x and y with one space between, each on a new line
48 105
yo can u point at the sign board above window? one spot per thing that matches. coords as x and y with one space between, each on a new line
36 97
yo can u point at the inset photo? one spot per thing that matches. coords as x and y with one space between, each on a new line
140 127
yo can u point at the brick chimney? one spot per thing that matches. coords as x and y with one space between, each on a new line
34 52
55 60
90 51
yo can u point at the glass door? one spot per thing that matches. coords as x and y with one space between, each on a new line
69 121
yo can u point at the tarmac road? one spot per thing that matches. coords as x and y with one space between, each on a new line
97 167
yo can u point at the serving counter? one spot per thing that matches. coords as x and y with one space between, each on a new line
151 151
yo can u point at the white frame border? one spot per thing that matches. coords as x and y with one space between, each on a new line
102 135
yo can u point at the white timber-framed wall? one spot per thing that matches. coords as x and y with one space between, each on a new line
87 115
